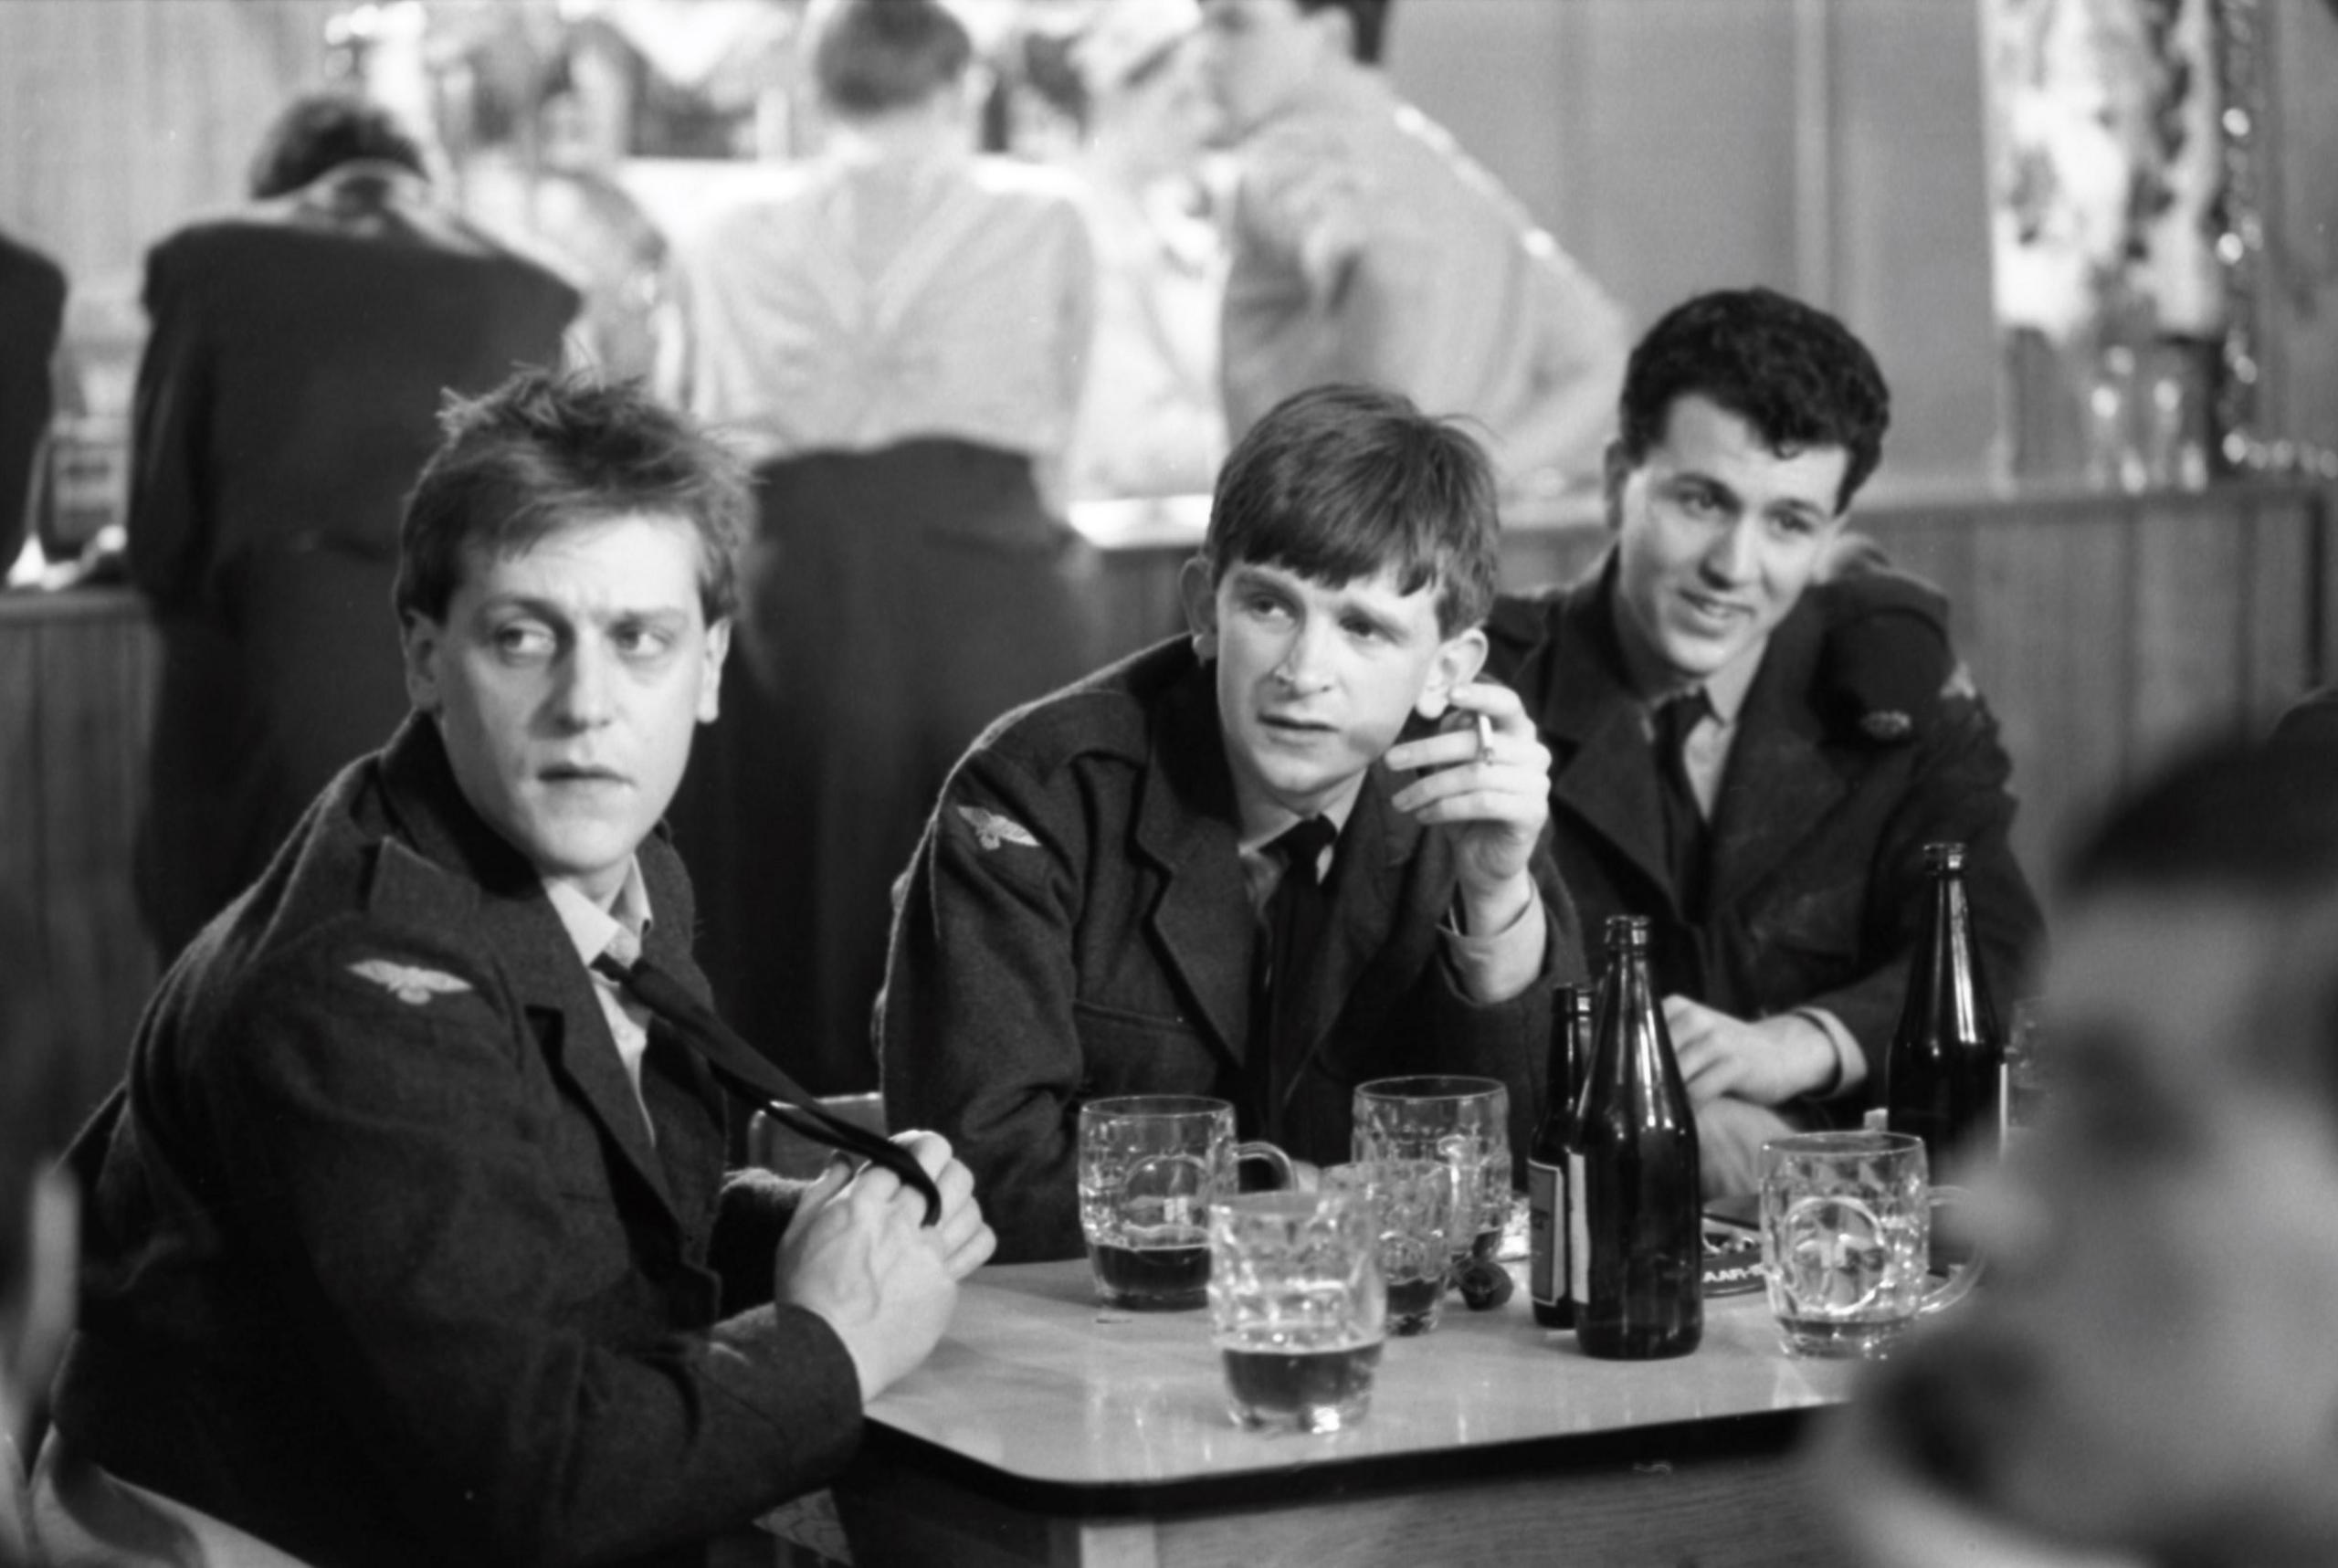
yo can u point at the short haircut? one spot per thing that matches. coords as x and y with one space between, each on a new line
2255 825
319 131
1793 372
546 451
871 57
1367 25
1340 482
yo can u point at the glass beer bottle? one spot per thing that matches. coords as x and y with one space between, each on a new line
1553 1197
1640 1279
1941 1076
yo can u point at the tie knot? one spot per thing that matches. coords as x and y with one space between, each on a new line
624 949
1302 845
1678 715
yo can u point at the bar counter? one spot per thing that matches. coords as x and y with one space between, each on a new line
1048 1429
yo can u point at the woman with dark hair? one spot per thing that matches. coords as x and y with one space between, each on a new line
897 330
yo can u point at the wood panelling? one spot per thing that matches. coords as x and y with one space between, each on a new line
76 688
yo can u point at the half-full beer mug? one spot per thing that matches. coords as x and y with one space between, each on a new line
1150 1166
1297 1307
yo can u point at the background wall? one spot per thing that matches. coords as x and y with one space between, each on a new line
1828 148
1832 147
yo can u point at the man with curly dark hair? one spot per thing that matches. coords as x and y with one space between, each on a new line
1750 743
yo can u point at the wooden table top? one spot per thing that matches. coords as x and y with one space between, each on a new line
1042 1396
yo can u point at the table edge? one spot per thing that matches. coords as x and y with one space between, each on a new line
1750 1434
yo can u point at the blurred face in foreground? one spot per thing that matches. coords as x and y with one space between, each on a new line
566 680
2150 1363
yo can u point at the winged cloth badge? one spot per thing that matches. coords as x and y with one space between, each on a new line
991 830
409 984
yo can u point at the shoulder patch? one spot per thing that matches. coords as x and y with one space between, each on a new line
992 831
410 983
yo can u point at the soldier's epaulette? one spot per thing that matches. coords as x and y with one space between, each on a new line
1072 724
407 890
1885 663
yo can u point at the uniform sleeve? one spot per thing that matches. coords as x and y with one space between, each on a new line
406 1163
976 1035
1959 791
1511 1040
1581 337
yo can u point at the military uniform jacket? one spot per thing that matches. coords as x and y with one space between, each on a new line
382 1263
1859 743
1076 924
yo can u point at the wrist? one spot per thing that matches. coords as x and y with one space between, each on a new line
1489 912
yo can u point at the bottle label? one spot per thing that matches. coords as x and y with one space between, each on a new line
1546 1232
1579 1234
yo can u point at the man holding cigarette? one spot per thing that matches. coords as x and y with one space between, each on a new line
1296 850
1750 746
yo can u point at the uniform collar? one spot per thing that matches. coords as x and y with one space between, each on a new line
592 927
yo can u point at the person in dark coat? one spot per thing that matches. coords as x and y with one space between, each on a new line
32 313
408 1238
300 350
1830 732
1082 916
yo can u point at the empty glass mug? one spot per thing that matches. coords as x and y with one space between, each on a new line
1464 1121
1150 1166
1847 1241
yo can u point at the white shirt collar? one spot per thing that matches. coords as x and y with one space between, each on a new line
592 927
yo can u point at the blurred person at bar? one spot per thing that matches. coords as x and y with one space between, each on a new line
896 334
1367 247
32 313
1749 747
1151 423
2145 1375
298 352
1090 911
408 1236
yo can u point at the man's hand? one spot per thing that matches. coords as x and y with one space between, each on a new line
1767 1063
858 1254
1494 799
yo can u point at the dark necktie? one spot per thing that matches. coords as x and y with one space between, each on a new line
1291 932
1684 823
749 1074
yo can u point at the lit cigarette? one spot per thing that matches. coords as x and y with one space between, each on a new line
1485 737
